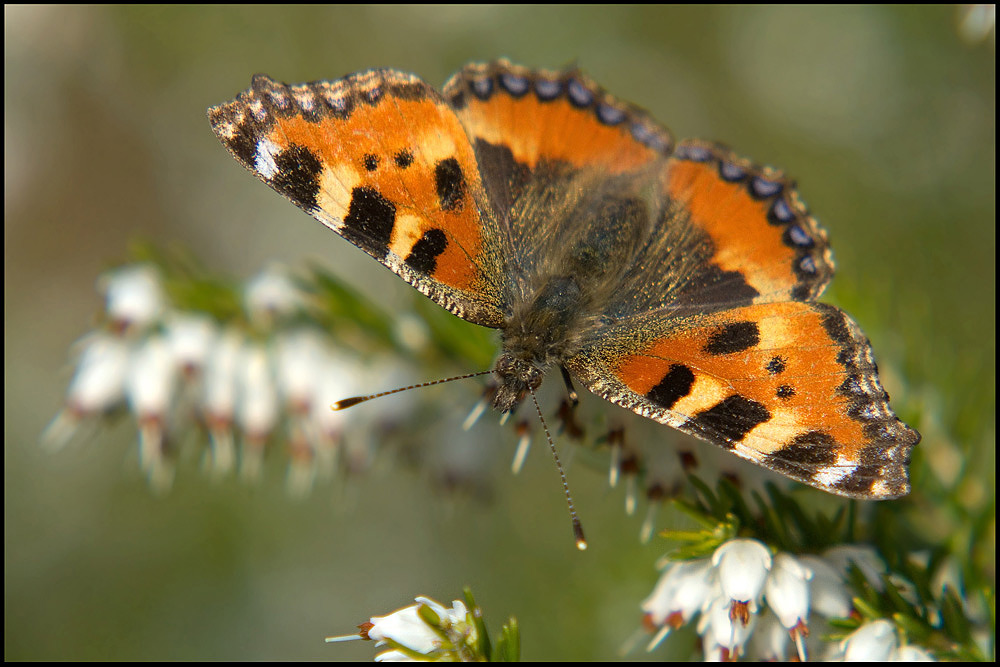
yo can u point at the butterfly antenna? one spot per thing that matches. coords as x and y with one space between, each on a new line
349 402
581 541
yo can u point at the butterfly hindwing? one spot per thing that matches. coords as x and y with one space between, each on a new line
791 386
756 221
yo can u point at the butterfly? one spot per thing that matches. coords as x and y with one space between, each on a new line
674 279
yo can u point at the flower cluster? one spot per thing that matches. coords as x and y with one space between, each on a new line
267 374
750 602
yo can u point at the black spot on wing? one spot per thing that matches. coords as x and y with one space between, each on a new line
711 286
729 420
423 256
775 365
403 158
243 143
812 447
458 100
785 391
369 221
297 175
836 327
733 338
370 162
802 293
672 387
859 482
408 90
450 183
803 455
411 91
504 177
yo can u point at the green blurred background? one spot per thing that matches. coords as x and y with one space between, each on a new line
886 116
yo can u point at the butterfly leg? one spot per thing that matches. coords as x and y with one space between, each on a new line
574 398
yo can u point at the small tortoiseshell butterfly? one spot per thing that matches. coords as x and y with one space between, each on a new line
675 280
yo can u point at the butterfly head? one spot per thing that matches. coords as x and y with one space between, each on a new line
517 378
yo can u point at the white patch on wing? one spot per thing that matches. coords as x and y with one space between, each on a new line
830 475
264 162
